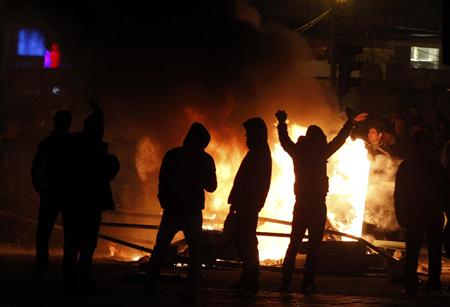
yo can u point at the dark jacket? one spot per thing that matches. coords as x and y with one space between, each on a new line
50 171
185 173
420 191
252 181
310 160
93 168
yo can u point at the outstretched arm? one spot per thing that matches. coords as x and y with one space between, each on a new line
343 134
283 135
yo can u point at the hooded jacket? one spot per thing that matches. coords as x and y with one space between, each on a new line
310 156
185 173
252 181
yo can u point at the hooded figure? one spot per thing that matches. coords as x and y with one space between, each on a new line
247 198
186 172
310 155
421 193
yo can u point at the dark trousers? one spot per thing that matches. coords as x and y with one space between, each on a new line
80 240
414 238
246 243
48 212
309 214
192 230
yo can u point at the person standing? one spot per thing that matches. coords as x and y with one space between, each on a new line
247 198
93 168
50 177
419 198
186 172
309 155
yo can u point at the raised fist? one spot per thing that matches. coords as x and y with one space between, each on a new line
281 116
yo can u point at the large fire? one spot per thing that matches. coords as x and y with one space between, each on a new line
348 170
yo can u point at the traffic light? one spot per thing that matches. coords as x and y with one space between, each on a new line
346 64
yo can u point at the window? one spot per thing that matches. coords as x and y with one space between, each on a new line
423 54
30 43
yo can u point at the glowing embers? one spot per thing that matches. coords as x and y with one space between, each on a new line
52 57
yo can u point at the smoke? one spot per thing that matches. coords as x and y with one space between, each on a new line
380 209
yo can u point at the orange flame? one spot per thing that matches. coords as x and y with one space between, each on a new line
348 169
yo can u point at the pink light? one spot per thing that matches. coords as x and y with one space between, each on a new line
52 58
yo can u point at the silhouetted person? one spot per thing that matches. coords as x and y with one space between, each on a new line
419 197
93 169
309 155
186 172
247 198
50 179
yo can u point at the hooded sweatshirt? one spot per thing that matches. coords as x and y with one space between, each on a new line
185 173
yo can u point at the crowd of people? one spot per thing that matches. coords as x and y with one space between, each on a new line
72 174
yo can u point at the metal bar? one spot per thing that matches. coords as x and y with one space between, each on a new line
125 243
127 225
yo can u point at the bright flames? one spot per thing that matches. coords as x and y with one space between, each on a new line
348 170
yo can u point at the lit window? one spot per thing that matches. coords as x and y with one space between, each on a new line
30 43
422 54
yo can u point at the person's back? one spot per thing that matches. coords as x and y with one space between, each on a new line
185 173
419 197
50 173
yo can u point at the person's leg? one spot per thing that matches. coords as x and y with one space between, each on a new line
297 233
246 244
167 230
88 245
434 237
71 248
48 212
192 229
413 242
316 226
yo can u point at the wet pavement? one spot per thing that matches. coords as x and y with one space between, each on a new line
122 284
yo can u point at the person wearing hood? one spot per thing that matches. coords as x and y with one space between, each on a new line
247 198
420 197
186 172
93 168
49 174
310 155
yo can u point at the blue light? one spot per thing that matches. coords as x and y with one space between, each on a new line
30 43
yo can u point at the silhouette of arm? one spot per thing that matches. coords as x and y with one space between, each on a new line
400 193
164 178
284 138
210 179
339 139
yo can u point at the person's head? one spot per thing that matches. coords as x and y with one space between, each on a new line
389 135
62 120
256 132
315 136
93 125
375 134
423 143
400 126
197 137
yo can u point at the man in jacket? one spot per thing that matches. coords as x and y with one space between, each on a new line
309 155
50 176
247 198
186 172
90 194
419 199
